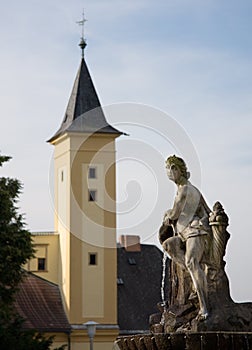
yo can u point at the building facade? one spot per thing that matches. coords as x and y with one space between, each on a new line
81 255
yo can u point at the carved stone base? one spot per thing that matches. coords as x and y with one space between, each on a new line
186 341
231 317
235 317
224 313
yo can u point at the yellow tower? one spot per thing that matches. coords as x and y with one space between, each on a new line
85 210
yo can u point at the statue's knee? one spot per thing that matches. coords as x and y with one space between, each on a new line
167 245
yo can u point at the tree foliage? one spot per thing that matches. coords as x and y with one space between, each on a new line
12 337
15 250
15 241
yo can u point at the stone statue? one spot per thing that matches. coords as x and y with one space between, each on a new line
199 311
195 239
189 218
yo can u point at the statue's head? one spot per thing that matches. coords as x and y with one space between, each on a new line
177 163
217 206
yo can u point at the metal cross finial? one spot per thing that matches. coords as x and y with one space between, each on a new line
82 43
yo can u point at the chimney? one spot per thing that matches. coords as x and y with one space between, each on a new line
131 243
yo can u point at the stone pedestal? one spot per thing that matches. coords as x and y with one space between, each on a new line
186 341
224 313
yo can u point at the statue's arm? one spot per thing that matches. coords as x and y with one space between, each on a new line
178 205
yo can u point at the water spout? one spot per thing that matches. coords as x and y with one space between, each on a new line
246 342
163 286
232 341
218 340
201 342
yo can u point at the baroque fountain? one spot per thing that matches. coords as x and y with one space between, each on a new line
200 313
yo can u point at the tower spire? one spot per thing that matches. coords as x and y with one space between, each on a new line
83 42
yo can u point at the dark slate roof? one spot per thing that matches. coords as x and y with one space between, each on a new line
39 303
139 286
84 99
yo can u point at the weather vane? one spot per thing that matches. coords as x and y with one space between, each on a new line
82 43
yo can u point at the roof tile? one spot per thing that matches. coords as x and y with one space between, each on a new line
39 303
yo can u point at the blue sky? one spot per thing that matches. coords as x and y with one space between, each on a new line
188 59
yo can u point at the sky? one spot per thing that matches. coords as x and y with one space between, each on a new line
175 75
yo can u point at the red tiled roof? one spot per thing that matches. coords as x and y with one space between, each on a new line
39 303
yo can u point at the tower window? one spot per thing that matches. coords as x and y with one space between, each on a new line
62 175
41 264
92 195
92 173
92 258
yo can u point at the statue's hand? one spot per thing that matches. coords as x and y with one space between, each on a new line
167 221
